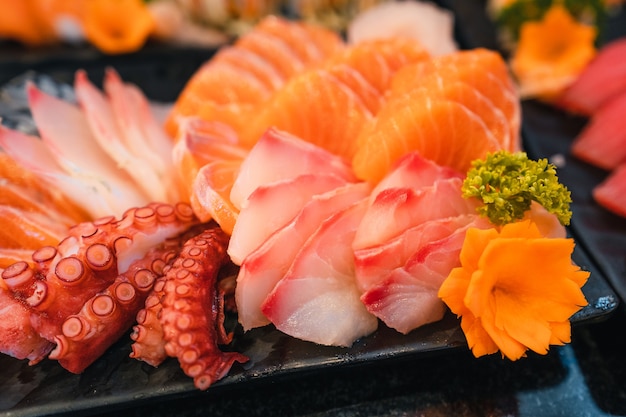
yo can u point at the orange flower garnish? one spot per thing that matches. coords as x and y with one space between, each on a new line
551 53
117 26
515 290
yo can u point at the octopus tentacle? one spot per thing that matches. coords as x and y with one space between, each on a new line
109 314
148 341
193 309
62 279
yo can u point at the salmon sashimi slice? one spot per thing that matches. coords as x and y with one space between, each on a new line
378 60
480 68
263 268
9 256
296 157
408 298
395 210
203 142
439 129
265 210
602 142
375 263
317 107
602 79
611 193
210 197
328 105
238 78
318 300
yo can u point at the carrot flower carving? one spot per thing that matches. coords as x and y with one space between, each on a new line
515 290
551 53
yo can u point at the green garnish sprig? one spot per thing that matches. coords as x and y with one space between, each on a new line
508 182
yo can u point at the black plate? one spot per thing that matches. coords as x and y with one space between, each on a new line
116 381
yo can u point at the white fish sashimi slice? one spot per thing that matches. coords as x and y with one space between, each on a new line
105 129
65 132
414 171
397 209
267 265
407 298
296 157
374 264
144 134
145 137
96 198
265 210
318 300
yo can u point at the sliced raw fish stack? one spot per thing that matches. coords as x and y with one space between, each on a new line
317 299
409 240
231 86
451 125
603 79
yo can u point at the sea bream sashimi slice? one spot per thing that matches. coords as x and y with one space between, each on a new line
395 210
407 298
602 142
279 155
374 264
262 269
318 300
414 171
266 211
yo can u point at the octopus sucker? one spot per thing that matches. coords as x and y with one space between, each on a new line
192 305
110 313
99 257
18 276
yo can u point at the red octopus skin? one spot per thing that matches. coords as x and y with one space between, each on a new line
110 313
17 336
62 279
193 309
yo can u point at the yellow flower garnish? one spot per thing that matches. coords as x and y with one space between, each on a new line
515 290
551 53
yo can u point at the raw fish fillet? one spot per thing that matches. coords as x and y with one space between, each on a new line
611 193
407 298
602 142
397 209
267 265
296 157
266 210
601 80
318 300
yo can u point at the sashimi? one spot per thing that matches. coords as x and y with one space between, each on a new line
397 209
265 210
374 264
266 266
602 141
601 80
438 128
480 68
414 171
238 78
611 193
318 300
210 198
296 157
407 298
